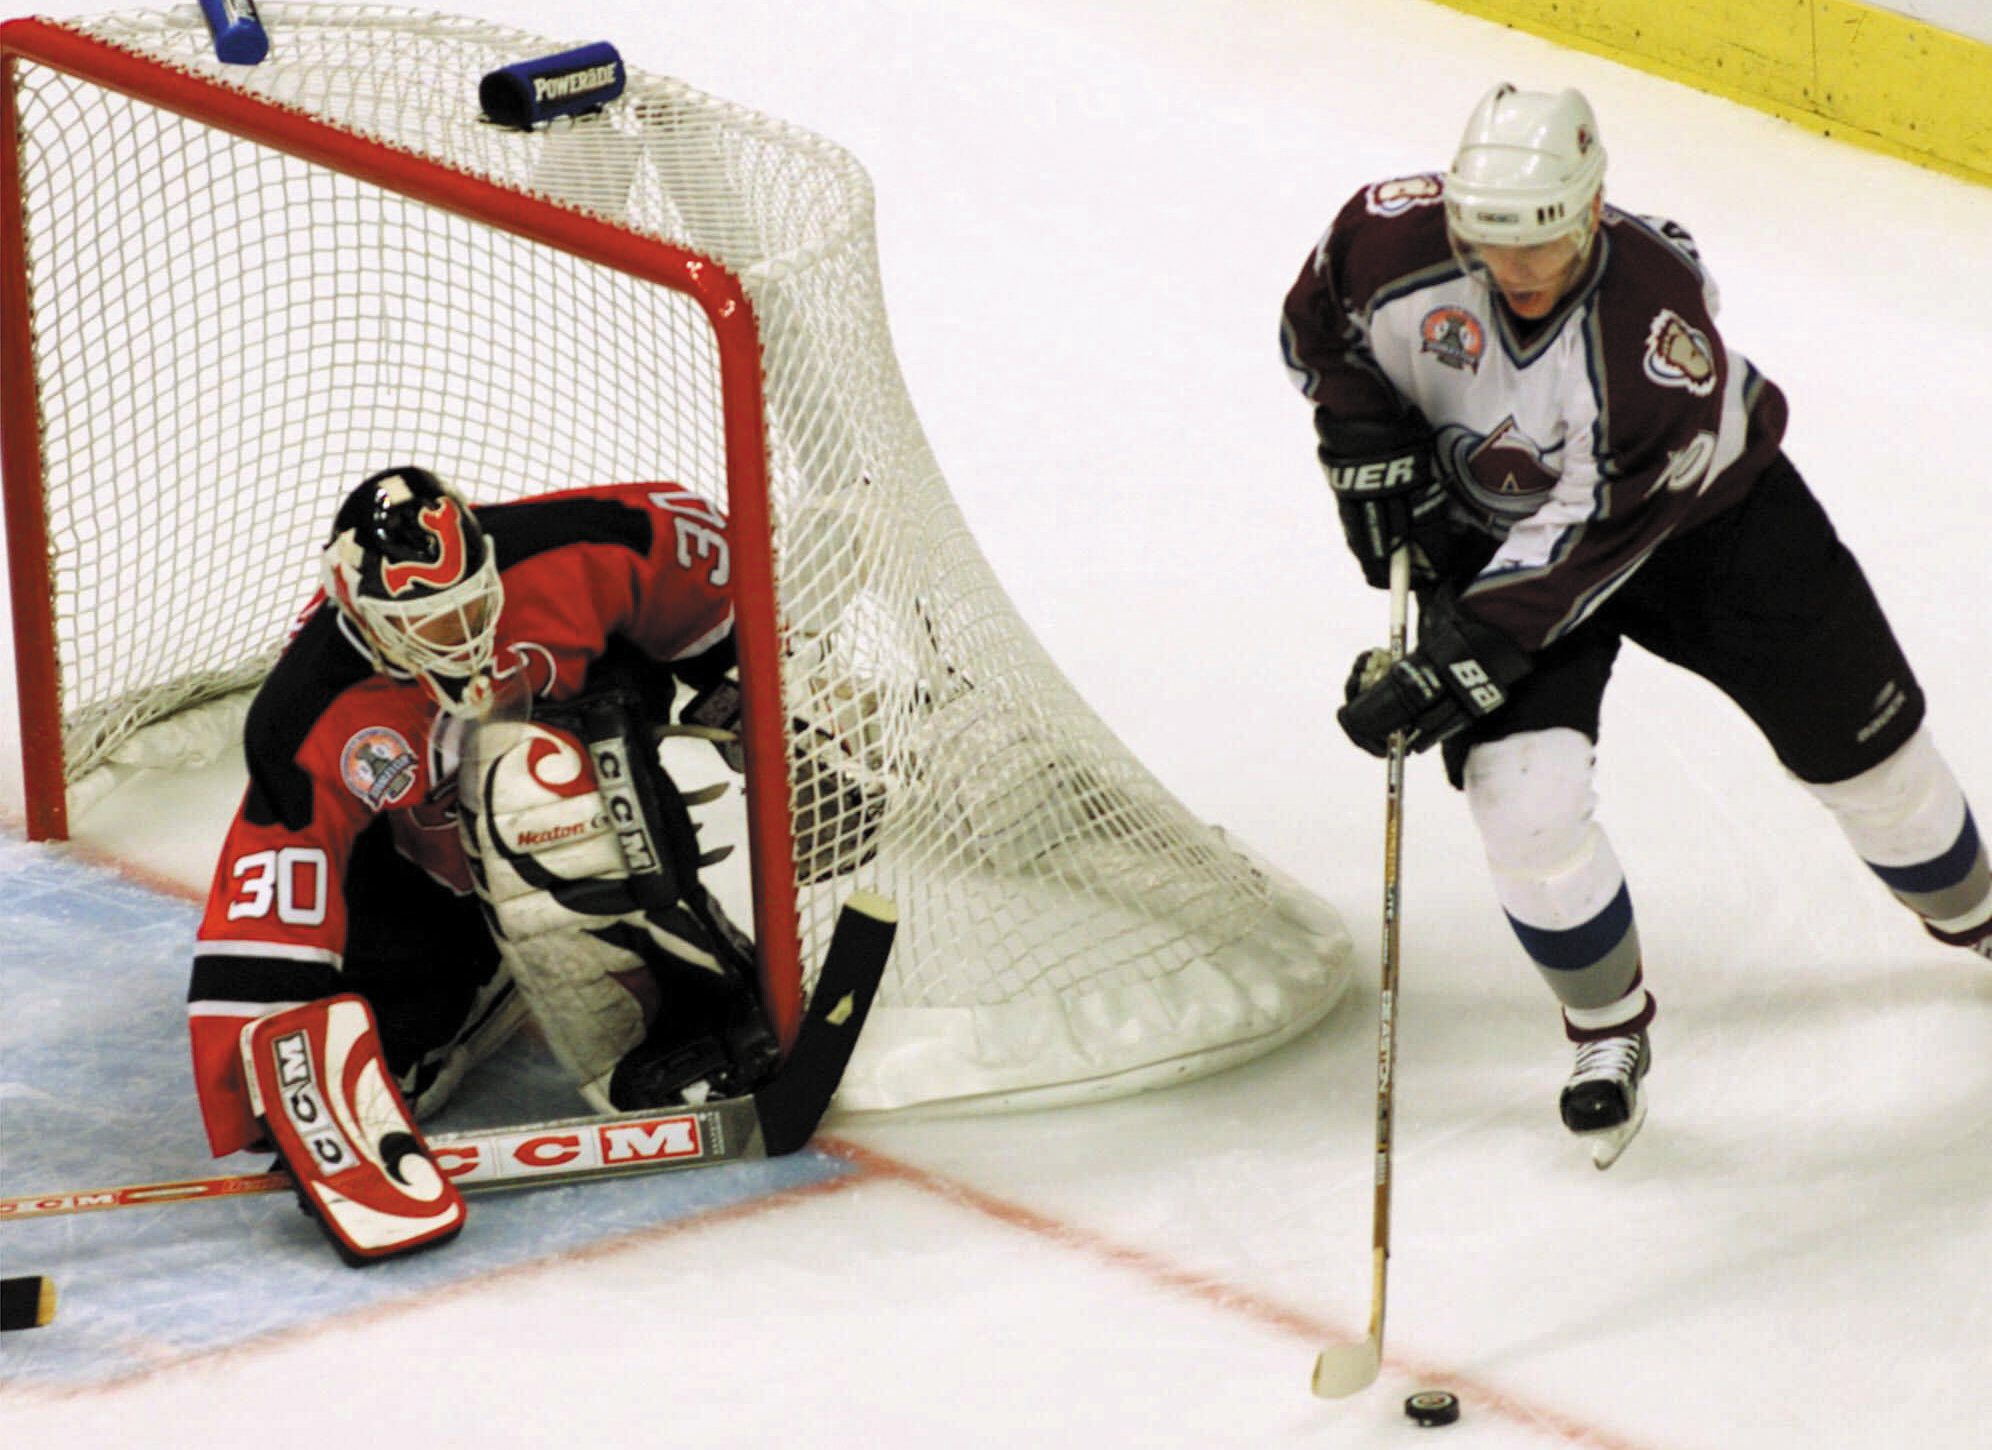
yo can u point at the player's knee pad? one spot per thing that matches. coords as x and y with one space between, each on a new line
1908 820
320 1086
1555 872
587 861
1532 800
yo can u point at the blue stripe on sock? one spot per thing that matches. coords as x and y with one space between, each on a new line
1940 874
1582 946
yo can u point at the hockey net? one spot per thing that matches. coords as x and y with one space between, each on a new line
234 290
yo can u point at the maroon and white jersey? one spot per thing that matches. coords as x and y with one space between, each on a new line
332 745
1579 442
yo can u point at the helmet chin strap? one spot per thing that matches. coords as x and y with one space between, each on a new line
1580 261
1589 240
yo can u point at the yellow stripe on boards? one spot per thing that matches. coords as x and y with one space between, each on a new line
1862 74
1923 89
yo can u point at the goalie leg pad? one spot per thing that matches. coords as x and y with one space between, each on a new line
587 861
320 1085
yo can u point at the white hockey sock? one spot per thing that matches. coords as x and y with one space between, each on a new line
1629 1014
1908 820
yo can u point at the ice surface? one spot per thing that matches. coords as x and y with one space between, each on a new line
1089 211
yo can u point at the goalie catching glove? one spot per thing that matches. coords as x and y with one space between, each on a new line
1460 672
587 862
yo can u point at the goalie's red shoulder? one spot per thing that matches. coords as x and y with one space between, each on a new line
647 562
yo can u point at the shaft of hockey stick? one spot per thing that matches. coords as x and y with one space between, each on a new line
778 1118
524 1155
1342 1369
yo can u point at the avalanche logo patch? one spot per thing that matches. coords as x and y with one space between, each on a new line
1678 356
1508 466
1395 198
1454 336
378 766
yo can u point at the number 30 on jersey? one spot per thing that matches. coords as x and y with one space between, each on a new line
288 883
698 534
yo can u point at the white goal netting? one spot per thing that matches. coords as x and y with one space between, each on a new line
226 337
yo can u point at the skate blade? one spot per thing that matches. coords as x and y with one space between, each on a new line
1608 1144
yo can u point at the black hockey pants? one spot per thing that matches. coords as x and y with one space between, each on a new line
1764 602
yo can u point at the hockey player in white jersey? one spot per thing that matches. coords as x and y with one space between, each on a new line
1524 386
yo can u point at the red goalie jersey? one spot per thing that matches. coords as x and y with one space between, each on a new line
351 767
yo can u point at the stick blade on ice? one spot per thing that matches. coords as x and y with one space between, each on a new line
1342 1369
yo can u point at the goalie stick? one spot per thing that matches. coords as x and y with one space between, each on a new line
1342 1369
778 1118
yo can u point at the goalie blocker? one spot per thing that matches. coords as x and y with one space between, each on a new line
319 1085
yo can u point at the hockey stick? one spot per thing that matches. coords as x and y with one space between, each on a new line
777 1119
1342 1369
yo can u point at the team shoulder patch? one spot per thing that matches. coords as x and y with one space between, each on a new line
1679 356
378 766
1406 193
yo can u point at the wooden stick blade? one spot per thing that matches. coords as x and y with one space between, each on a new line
27 1302
1342 1369
793 1103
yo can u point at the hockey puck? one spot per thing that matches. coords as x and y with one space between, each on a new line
27 1302
1433 1407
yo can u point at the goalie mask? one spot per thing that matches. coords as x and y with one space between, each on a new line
409 566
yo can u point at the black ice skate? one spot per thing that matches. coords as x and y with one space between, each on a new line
1603 1103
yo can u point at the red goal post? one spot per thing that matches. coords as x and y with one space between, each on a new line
231 290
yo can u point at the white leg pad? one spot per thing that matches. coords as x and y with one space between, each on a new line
547 856
551 852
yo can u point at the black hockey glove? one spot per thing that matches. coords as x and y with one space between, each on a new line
1460 673
716 708
714 678
1387 491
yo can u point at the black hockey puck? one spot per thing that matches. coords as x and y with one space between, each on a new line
1433 1407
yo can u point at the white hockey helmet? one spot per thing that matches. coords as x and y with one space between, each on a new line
410 567
1528 169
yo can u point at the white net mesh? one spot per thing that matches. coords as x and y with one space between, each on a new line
226 337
